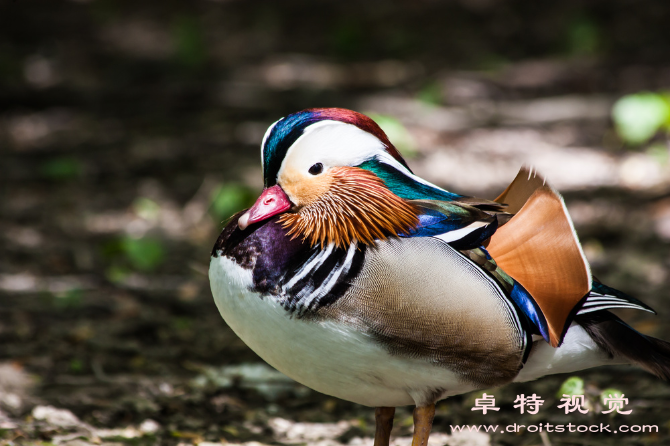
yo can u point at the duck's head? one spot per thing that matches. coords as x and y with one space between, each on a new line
335 177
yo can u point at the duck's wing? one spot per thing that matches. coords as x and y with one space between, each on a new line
469 225
421 298
459 223
539 248
533 243
468 222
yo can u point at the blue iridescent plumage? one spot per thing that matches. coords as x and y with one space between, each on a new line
432 222
529 308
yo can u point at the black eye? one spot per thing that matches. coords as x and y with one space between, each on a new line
316 169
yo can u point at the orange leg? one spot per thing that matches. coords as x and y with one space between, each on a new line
423 422
384 423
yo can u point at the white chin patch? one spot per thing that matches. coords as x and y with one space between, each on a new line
243 222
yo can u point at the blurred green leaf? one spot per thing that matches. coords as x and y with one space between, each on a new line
111 249
69 299
61 168
144 254
146 208
571 386
230 198
116 273
397 134
610 393
181 323
660 153
232 430
408 421
431 93
76 365
583 37
639 116
189 42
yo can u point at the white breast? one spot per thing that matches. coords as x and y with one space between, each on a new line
327 356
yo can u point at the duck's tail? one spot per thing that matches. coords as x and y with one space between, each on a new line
623 342
594 339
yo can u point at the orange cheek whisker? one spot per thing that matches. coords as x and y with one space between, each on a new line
356 206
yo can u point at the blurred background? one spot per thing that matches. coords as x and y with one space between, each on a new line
130 130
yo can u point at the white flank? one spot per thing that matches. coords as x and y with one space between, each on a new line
578 352
327 356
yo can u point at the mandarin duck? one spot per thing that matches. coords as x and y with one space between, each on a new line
360 280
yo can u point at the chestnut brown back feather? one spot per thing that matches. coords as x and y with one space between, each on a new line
357 206
540 250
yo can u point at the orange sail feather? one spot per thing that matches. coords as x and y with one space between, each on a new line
539 248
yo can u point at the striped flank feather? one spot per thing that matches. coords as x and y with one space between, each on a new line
602 297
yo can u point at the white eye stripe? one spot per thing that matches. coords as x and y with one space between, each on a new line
336 143
332 143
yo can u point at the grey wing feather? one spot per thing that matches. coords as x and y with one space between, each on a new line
419 297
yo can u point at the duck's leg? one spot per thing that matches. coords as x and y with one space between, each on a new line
423 422
384 424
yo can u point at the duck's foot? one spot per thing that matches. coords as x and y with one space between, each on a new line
384 424
423 422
